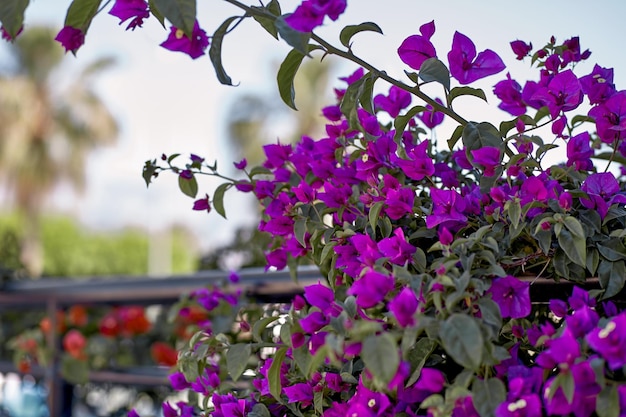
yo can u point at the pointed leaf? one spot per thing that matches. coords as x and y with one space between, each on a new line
612 277
613 249
574 247
488 394
268 23
237 358
479 135
349 31
400 122
434 70
12 15
294 38
154 10
462 339
80 13
299 229
180 13
286 75
259 410
465 91
374 213
274 373
380 355
189 187
215 51
607 404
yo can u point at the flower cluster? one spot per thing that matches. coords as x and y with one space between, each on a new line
431 256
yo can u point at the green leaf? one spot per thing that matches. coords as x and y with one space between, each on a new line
462 339
417 357
294 38
607 404
434 70
260 325
380 355
218 198
268 23
488 394
274 373
515 211
374 213
349 31
189 186
349 102
300 231
612 276
80 13
367 93
465 91
154 10
259 410
613 250
574 247
456 135
302 356
180 13
215 51
477 136
400 122
286 75
149 169
237 358
574 226
12 15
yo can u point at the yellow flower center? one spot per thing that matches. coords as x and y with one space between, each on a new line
179 33
517 405
371 403
604 333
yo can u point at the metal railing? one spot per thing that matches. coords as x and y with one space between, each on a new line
53 294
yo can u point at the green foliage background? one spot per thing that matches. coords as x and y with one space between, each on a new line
70 250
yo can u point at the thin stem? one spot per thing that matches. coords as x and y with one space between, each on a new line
330 49
608 165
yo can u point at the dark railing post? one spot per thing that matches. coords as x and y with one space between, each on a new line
52 374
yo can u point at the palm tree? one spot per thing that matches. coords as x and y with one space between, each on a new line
46 133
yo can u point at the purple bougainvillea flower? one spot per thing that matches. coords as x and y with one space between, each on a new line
586 389
371 288
416 49
448 208
582 321
563 93
302 393
130 9
464 407
467 67
489 157
202 204
396 248
178 381
368 403
571 51
420 164
397 100
559 308
610 340
598 86
510 94
610 118
602 190
580 298
521 49
431 118
314 322
399 202
71 38
195 46
512 296
563 350
320 296
241 164
310 14
579 152
404 306
133 413
354 77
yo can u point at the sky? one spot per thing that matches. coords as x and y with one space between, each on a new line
168 103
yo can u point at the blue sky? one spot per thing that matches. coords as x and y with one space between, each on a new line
168 103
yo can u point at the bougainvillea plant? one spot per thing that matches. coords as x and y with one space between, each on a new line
427 254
